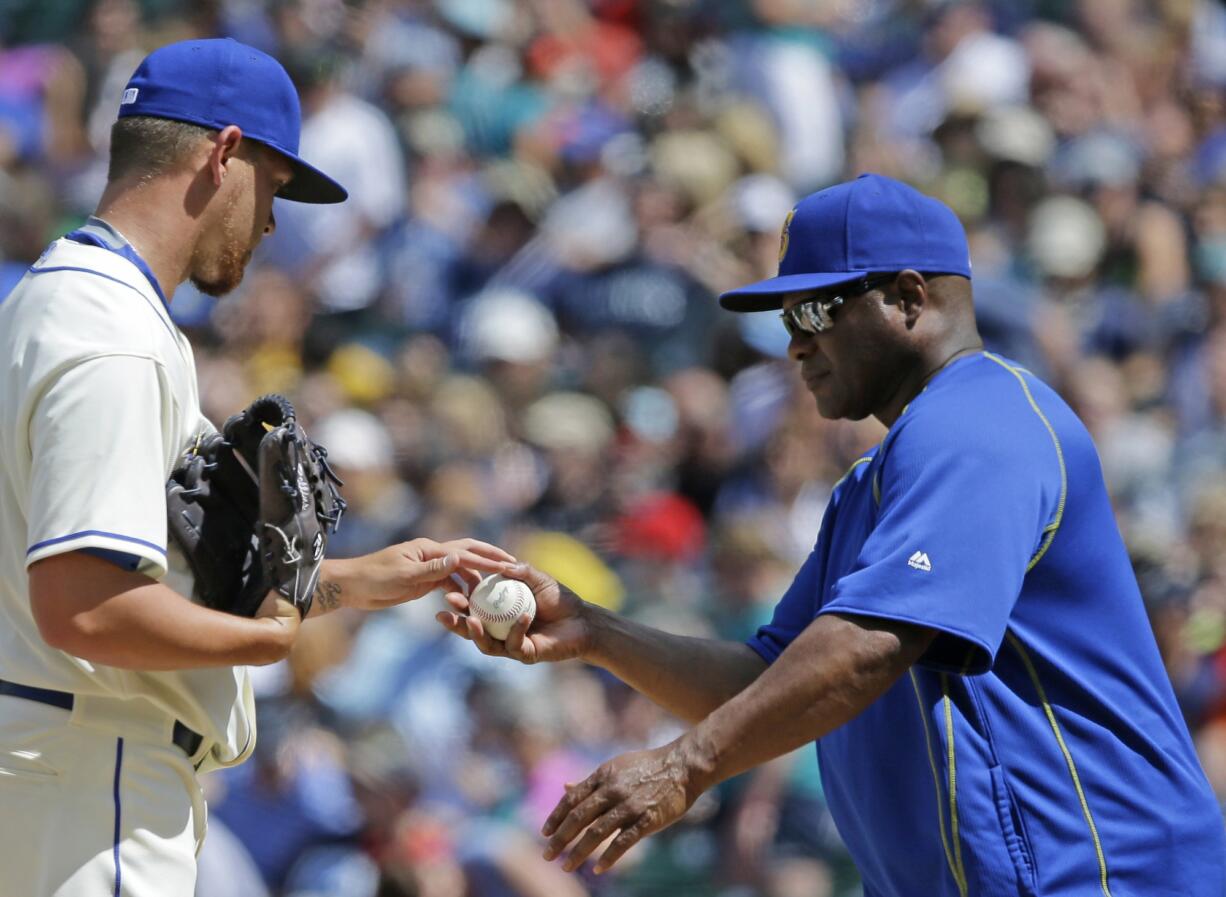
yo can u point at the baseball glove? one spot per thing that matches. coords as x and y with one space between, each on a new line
251 508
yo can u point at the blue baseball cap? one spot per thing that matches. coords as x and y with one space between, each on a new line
873 224
220 82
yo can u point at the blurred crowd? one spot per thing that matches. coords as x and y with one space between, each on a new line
510 332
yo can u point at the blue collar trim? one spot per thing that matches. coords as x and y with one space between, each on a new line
96 232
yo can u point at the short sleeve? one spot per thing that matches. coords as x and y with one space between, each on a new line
962 511
97 472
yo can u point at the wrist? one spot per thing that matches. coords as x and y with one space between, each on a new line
335 585
337 570
699 758
277 641
597 626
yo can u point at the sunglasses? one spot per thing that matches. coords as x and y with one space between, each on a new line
816 315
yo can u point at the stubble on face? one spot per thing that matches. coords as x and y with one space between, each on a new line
218 269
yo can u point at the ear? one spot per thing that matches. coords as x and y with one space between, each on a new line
225 147
912 295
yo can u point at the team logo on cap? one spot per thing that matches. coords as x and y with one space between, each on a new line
783 239
129 96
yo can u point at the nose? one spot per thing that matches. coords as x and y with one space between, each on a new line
271 226
801 346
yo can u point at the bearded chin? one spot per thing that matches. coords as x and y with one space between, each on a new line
218 286
227 274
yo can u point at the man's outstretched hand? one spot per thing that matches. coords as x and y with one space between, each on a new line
633 795
405 572
562 629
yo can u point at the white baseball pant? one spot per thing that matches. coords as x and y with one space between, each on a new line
95 802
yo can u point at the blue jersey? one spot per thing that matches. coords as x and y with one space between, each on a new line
1036 748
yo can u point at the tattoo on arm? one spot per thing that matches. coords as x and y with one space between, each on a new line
328 594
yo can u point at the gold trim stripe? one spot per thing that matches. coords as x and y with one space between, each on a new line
851 469
1050 534
1068 759
953 775
954 868
1049 530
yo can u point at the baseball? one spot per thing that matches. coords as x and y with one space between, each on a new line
498 602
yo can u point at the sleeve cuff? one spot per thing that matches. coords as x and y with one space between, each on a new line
765 648
952 651
152 556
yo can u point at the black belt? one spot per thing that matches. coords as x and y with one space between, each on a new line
183 738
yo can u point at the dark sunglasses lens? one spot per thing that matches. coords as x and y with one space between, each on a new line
809 318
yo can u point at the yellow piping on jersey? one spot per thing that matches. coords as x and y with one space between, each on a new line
1049 531
851 469
954 868
953 775
1068 758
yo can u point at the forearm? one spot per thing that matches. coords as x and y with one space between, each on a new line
330 589
402 572
833 671
830 673
130 621
689 677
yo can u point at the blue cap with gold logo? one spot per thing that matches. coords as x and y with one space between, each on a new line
873 224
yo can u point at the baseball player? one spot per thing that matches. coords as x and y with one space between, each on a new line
966 643
115 690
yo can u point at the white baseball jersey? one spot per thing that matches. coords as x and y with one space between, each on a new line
98 398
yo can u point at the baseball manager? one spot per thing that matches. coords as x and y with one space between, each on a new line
966 643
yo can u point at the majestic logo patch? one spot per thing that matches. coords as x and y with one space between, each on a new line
129 96
920 561
783 238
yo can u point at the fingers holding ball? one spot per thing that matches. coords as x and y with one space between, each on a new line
498 602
